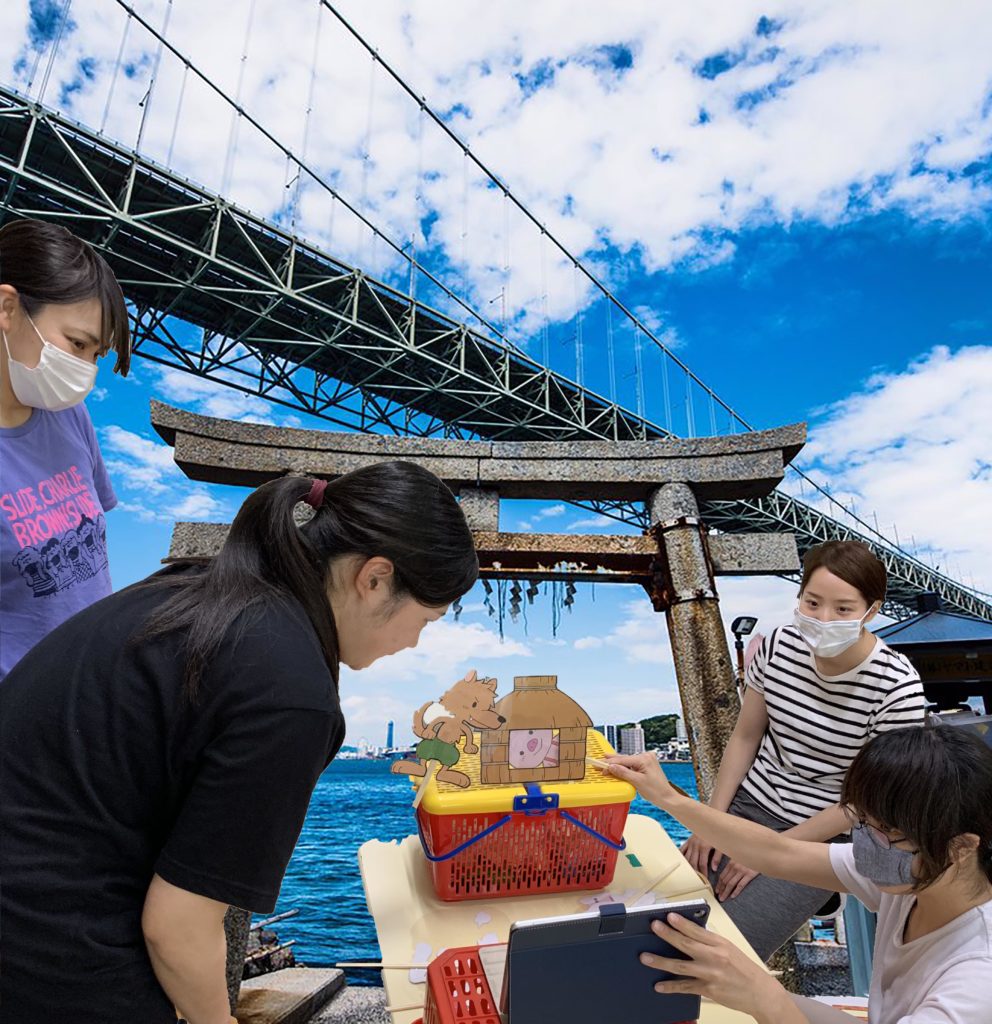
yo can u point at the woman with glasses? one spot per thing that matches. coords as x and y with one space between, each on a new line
815 692
919 802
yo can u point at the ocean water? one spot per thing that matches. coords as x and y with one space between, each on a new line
356 801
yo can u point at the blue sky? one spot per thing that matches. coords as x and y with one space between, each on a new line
797 203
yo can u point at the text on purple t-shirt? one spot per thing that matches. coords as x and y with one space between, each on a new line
54 491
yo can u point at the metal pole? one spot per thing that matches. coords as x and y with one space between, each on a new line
685 590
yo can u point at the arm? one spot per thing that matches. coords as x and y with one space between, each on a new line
829 822
184 934
470 747
763 849
737 759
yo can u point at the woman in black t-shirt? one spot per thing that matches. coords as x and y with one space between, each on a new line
159 749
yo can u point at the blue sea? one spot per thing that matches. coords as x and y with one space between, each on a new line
356 801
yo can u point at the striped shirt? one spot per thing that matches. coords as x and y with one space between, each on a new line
817 723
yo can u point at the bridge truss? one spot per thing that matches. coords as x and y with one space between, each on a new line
233 298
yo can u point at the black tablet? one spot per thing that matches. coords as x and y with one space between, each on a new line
585 968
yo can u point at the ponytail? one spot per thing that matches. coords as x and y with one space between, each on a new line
396 510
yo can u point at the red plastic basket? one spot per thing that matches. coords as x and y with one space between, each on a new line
457 990
522 852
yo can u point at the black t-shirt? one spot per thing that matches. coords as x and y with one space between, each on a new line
107 777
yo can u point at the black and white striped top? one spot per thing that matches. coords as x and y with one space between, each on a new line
816 724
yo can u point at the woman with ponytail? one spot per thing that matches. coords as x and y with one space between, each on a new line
158 751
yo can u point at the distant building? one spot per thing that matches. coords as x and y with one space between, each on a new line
632 740
680 734
389 736
610 732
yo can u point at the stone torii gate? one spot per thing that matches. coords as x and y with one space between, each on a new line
676 560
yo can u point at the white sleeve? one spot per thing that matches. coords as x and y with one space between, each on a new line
842 861
961 995
754 674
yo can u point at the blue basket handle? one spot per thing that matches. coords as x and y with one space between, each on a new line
464 846
622 845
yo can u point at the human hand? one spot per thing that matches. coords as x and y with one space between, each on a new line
700 854
718 970
733 879
644 773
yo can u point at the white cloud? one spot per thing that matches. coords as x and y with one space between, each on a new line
155 488
211 398
552 512
640 636
197 505
140 463
394 687
367 715
595 523
445 652
635 704
913 447
693 127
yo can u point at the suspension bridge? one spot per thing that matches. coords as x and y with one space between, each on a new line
372 334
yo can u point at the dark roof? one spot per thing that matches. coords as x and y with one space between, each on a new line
937 627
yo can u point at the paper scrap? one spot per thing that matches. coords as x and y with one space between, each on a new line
421 955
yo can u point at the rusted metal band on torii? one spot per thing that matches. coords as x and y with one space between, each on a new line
664 590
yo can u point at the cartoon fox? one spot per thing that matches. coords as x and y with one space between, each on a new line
441 724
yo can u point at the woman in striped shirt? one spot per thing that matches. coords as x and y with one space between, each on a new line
815 693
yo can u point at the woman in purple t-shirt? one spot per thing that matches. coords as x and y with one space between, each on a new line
61 309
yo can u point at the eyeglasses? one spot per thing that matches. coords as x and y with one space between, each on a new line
876 835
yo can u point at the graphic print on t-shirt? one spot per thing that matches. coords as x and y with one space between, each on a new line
60 531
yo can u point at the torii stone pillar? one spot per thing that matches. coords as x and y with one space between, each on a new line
685 590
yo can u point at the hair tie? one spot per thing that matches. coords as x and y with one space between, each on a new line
316 496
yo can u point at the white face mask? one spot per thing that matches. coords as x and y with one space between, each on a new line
828 639
59 381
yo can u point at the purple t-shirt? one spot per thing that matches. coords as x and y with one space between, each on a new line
54 490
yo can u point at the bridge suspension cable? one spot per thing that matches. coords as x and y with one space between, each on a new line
498 182
734 418
306 168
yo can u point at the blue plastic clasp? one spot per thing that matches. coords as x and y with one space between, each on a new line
534 802
612 918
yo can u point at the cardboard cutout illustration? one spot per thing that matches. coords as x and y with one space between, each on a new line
440 724
542 737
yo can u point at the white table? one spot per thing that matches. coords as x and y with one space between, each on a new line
408 914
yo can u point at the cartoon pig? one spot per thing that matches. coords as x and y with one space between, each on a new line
533 748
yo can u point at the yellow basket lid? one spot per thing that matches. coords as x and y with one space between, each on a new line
596 789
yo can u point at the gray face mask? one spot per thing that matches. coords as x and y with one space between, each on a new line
883 867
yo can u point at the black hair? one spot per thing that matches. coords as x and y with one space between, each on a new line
932 785
853 561
397 510
48 264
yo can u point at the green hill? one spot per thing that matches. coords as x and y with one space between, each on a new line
657 730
